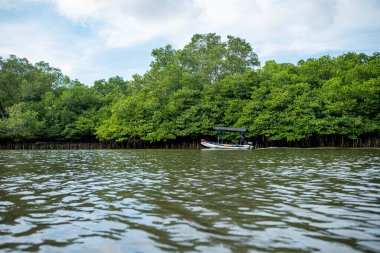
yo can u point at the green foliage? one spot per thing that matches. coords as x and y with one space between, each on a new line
210 82
22 123
212 60
20 81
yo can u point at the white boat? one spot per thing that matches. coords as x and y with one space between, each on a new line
221 145
215 145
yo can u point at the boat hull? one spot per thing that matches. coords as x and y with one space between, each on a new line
214 145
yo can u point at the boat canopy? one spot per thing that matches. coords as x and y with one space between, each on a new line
240 130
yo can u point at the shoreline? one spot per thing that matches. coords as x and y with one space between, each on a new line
162 145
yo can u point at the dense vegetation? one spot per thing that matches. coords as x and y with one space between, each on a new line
186 92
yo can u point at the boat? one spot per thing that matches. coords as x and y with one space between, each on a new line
216 145
221 145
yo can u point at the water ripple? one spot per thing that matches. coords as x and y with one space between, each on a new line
277 200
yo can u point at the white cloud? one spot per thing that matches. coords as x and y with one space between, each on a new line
272 26
82 37
44 42
128 23
7 4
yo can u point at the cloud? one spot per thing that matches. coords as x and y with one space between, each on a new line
271 26
38 41
7 4
94 39
128 23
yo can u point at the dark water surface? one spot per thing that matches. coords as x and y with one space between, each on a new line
274 200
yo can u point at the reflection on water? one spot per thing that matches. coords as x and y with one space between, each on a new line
275 200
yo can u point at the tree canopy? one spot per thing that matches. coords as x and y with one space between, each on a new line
209 82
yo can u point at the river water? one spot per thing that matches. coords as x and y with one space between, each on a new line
272 200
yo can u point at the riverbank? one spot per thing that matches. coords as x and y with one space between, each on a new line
311 142
100 145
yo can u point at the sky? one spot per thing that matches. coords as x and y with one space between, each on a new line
97 39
